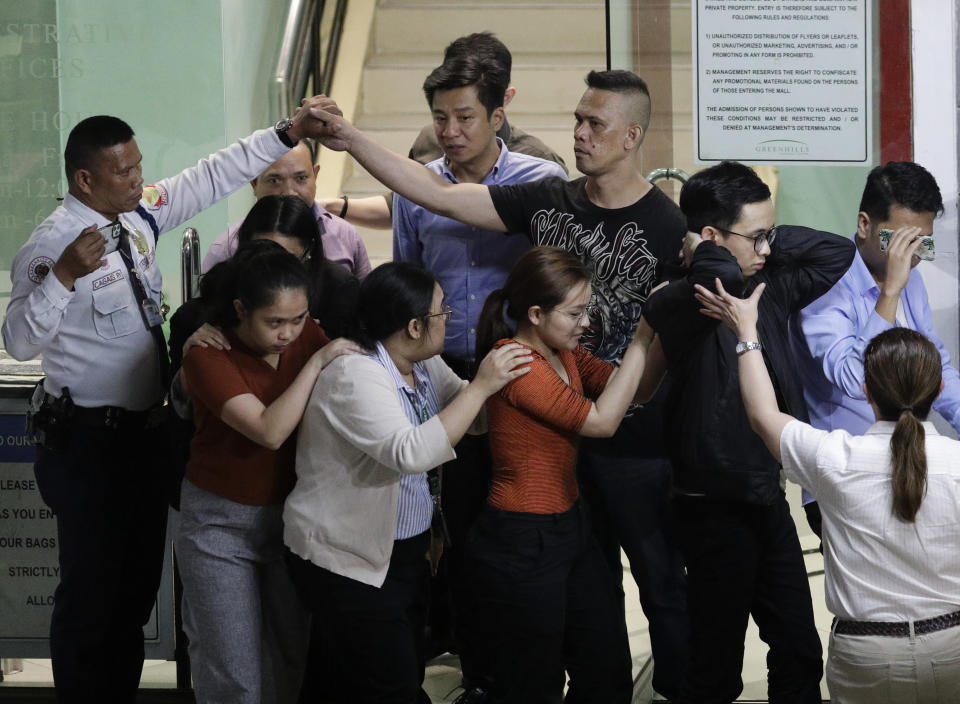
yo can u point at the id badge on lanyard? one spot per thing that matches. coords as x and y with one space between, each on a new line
152 313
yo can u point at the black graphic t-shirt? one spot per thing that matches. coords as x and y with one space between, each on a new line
626 247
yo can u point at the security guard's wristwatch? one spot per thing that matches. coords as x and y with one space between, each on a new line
281 128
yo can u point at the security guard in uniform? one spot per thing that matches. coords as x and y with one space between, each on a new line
86 295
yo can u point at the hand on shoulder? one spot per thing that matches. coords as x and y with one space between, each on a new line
501 366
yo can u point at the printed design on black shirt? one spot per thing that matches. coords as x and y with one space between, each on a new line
624 272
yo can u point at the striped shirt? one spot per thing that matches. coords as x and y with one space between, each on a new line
421 403
535 423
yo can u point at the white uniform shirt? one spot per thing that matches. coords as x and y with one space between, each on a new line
878 567
93 339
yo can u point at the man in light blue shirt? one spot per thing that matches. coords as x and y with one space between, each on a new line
466 97
881 290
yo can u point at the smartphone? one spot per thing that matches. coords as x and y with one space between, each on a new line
926 251
111 236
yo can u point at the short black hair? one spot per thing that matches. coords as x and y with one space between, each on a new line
716 195
488 77
88 137
291 217
627 83
483 45
618 81
902 183
285 215
254 275
391 296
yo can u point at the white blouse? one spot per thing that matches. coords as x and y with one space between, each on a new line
878 567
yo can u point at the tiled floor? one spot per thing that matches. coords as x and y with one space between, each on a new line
443 675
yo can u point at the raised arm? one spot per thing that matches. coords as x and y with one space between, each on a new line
43 278
500 366
759 398
358 398
673 311
808 263
370 211
837 329
467 202
607 412
270 425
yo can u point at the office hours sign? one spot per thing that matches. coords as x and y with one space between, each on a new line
782 81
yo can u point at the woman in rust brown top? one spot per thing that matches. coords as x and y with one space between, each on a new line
247 631
546 597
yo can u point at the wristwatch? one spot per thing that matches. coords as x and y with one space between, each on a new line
281 128
744 346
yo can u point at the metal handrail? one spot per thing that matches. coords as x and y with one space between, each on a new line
189 264
663 174
325 72
301 58
290 58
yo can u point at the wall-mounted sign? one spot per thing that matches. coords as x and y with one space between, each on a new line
782 81
29 568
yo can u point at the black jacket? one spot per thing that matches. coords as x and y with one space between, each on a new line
713 448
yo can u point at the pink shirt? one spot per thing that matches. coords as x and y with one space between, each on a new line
341 244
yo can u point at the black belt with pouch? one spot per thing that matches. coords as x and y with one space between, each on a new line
50 419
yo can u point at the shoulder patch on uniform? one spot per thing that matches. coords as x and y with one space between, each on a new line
39 268
154 196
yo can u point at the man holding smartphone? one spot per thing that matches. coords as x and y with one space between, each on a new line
882 289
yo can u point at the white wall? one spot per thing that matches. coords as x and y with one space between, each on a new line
935 114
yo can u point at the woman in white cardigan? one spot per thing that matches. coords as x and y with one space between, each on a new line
358 522
891 516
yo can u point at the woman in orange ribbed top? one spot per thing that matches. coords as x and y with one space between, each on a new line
545 597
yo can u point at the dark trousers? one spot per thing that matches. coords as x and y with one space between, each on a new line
546 601
466 483
629 500
742 560
372 636
107 491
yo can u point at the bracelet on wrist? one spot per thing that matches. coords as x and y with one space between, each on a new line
346 203
744 346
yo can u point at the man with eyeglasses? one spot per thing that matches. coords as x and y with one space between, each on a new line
882 289
733 524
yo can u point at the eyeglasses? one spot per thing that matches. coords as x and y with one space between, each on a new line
445 310
769 236
587 313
